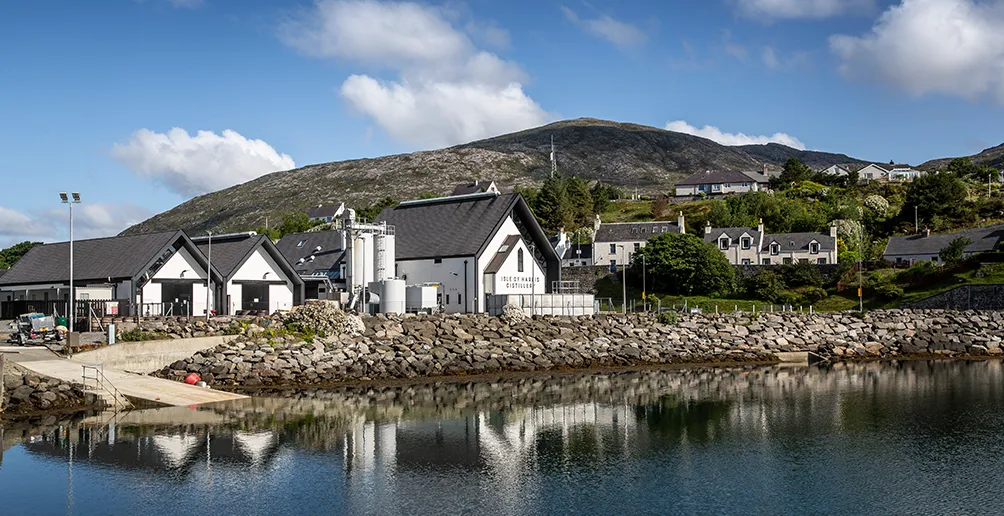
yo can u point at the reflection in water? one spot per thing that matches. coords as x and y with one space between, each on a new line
903 437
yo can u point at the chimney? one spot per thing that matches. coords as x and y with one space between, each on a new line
759 226
477 182
707 228
596 224
765 169
927 232
682 223
833 230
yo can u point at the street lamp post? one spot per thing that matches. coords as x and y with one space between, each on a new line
644 297
623 281
861 257
209 273
73 198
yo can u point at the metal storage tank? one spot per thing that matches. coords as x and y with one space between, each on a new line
379 258
392 299
360 271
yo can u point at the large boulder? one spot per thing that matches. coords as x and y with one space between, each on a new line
324 319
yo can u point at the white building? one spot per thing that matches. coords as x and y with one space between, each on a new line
152 274
835 170
715 183
615 243
753 246
256 276
326 214
472 245
884 173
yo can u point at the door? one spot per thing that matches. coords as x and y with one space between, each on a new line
254 296
178 295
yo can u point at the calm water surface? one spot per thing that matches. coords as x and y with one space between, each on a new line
906 438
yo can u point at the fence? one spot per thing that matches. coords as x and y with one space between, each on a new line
544 304
12 309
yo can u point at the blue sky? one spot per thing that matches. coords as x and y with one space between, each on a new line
141 104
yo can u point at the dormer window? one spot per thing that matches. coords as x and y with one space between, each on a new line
301 243
814 247
775 249
723 243
746 242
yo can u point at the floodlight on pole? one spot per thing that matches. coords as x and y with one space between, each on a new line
65 199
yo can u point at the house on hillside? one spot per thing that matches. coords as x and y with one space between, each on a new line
148 274
835 170
326 214
901 173
907 250
256 276
753 246
473 245
578 255
318 257
885 173
478 186
715 183
615 243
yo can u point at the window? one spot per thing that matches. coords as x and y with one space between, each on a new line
437 260
803 260
613 248
787 261
613 264
716 188
746 185
460 299
934 258
775 249
728 185
821 261
765 261
637 246
723 243
519 260
447 299
747 261
814 248
301 243
746 242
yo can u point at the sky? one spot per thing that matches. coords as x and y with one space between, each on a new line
142 104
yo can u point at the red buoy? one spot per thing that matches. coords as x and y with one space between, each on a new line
192 379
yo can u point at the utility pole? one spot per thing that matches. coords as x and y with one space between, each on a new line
554 163
988 185
624 281
861 298
644 298
73 198
209 273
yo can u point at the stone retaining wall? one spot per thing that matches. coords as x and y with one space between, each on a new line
966 297
436 345
26 393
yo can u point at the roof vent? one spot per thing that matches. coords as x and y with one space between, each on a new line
317 249
301 260
311 258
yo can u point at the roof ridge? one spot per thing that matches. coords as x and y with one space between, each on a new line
77 241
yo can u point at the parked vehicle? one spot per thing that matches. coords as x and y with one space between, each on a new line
34 326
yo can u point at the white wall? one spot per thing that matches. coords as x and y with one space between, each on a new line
602 256
94 292
450 273
280 297
508 280
180 262
261 267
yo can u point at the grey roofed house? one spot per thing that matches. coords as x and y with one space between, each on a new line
714 177
634 231
478 186
451 227
733 234
324 212
229 252
99 259
326 261
798 241
926 246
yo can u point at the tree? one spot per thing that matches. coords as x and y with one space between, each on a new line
685 264
370 213
580 200
954 251
10 256
966 169
295 223
765 284
602 195
660 207
794 172
938 194
552 206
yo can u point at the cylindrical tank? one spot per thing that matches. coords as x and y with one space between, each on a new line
362 250
380 257
392 299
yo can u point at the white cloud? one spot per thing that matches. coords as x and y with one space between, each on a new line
622 35
715 134
952 47
802 8
192 165
90 220
447 90
775 61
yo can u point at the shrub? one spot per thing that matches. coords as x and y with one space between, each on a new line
765 284
667 318
138 335
802 275
916 272
810 295
889 291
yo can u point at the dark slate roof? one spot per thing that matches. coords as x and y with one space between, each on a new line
504 251
322 211
714 177
984 239
798 241
444 227
471 188
634 231
327 259
587 252
2 272
733 233
119 257
229 251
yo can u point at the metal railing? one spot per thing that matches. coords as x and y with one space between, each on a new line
102 382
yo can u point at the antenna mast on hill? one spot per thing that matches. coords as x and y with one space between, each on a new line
554 164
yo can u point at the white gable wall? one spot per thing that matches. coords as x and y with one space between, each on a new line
180 266
509 280
261 267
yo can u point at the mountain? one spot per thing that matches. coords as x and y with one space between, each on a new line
992 157
627 155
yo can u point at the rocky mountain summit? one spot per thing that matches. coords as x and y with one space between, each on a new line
631 156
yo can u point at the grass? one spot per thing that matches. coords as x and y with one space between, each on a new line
641 211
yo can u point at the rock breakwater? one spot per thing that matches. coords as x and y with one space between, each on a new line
28 393
413 346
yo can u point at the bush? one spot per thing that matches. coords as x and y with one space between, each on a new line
138 335
889 291
667 318
810 295
765 284
802 275
916 272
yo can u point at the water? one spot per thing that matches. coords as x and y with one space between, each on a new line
902 438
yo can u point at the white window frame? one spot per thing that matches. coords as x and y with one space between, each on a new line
746 242
724 243
813 247
775 249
